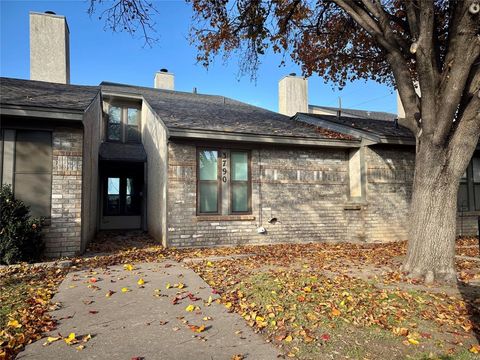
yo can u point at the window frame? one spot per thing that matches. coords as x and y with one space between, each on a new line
227 189
469 184
219 182
248 181
124 107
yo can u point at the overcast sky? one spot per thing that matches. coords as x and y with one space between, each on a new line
98 55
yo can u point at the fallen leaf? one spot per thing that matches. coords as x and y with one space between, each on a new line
71 339
51 339
125 289
475 349
289 338
129 267
190 308
197 329
109 293
141 282
14 324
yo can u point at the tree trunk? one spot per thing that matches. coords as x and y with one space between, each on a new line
431 247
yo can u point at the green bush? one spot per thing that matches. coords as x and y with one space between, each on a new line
20 234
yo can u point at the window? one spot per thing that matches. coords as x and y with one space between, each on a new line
208 181
224 182
476 181
123 196
469 189
114 130
33 170
123 124
239 182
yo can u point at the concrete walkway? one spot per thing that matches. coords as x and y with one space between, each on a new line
144 322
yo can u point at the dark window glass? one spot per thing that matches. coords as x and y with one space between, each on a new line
33 170
133 121
114 130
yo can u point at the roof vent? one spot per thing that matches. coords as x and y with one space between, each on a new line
164 70
293 74
50 12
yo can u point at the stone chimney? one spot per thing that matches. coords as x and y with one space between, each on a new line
49 48
164 80
292 95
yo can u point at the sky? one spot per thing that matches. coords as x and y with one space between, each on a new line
99 55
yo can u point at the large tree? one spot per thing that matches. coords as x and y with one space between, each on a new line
428 49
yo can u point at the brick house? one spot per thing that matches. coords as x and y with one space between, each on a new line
200 170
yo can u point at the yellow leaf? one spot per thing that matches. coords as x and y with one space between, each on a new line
141 282
190 308
307 289
80 347
71 339
180 285
51 339
129 267
228 305
209 263
210 299
413 341
168 286
14 323
288 338
125 289
475 349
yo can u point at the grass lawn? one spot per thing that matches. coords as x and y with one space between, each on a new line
313 301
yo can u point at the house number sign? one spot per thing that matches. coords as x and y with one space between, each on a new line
224 167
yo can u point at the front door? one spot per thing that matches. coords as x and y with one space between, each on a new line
122 190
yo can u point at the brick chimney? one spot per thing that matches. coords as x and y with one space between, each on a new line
49 48
164 80
292 95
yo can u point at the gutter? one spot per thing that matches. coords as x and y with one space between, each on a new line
38 112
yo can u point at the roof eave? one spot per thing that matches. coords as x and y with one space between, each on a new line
181 133
324 123
38 112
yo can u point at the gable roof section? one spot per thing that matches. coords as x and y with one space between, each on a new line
383 131
30 94
364 114
198 112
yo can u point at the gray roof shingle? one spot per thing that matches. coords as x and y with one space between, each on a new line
217 113
39 94
364 114
382 128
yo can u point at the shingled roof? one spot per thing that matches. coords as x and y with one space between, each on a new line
182 110
39 94
363 114
379 128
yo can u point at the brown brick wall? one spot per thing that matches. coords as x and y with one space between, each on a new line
304 189
307 191
63 235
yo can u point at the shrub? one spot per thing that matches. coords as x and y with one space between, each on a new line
20 234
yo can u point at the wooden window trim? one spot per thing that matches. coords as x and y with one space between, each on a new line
219 182
248 181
